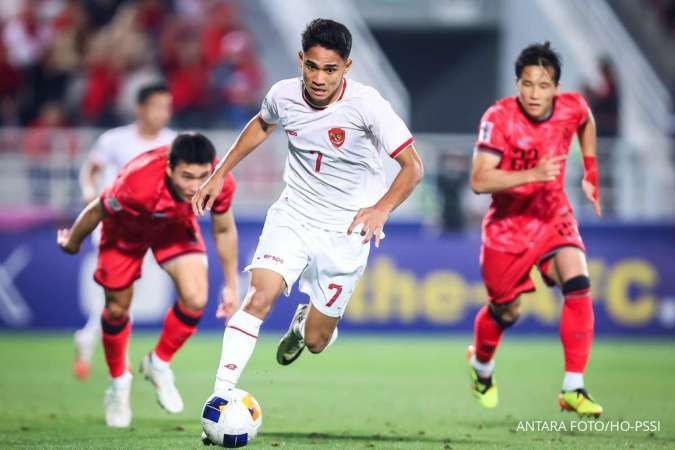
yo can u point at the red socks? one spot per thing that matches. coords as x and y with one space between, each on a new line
115 337
576 329
179 324
487 334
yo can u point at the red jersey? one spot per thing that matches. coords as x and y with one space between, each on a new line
141 205
517 217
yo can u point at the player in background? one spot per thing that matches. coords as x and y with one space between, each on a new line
519 158
337 129
111 151
147 207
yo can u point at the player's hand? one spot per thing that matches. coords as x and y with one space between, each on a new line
229 303
548 168
207 193
372 220
64 241
592 196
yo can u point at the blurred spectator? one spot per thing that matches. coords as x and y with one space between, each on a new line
46 141
452 178
236 80
603 100
89 55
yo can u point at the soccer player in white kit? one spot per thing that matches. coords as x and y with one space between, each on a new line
110 152
337 129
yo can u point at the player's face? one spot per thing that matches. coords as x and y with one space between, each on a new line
186 178
536 90
322 73
155 113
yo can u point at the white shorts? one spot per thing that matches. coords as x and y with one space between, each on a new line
328 263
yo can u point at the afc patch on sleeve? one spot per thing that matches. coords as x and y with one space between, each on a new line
113 204
485 131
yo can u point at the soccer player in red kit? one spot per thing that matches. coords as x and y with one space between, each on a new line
147 207
519 158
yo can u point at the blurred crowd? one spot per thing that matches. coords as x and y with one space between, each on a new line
81 62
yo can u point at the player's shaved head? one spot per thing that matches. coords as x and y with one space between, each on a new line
328 34
539 55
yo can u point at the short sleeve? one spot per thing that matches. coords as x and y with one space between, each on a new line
101 152
224 200
115 201
121 197
491 136
269 111
387 127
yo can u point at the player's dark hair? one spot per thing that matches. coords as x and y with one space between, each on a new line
328 34
148 90
191 148
539 55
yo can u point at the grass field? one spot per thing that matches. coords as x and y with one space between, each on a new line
365 392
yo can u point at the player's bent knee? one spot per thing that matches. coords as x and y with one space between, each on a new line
317 342
195 301
578 283
506 314
259 303
116 310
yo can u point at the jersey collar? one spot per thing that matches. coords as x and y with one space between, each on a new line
534 121
307 100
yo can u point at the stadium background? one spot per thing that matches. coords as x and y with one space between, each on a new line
69 70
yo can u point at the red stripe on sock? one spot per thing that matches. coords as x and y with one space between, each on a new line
243 331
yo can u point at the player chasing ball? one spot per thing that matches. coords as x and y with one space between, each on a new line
335 201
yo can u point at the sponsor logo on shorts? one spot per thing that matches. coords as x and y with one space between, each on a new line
274 258
230 366
291 132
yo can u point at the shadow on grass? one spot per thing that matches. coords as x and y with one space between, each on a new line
367 438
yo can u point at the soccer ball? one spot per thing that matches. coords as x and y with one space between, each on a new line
231 419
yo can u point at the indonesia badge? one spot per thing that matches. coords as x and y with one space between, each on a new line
336 136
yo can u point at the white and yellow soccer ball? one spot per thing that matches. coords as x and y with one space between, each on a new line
231 419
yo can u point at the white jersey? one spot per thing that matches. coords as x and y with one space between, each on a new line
114 148
334 166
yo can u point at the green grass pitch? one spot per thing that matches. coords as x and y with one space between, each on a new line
364 392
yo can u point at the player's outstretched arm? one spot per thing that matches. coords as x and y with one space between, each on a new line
588 141
487 178
253 134
374 217
70 239
225 237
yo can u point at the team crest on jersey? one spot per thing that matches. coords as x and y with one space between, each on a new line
336 136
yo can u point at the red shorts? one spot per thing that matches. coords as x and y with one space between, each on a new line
120 257
507 275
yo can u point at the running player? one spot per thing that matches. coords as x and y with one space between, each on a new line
111 151
519 158
147 207
334 203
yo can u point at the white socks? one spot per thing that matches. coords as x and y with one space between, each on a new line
157 362
484 370
573 381
239 339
